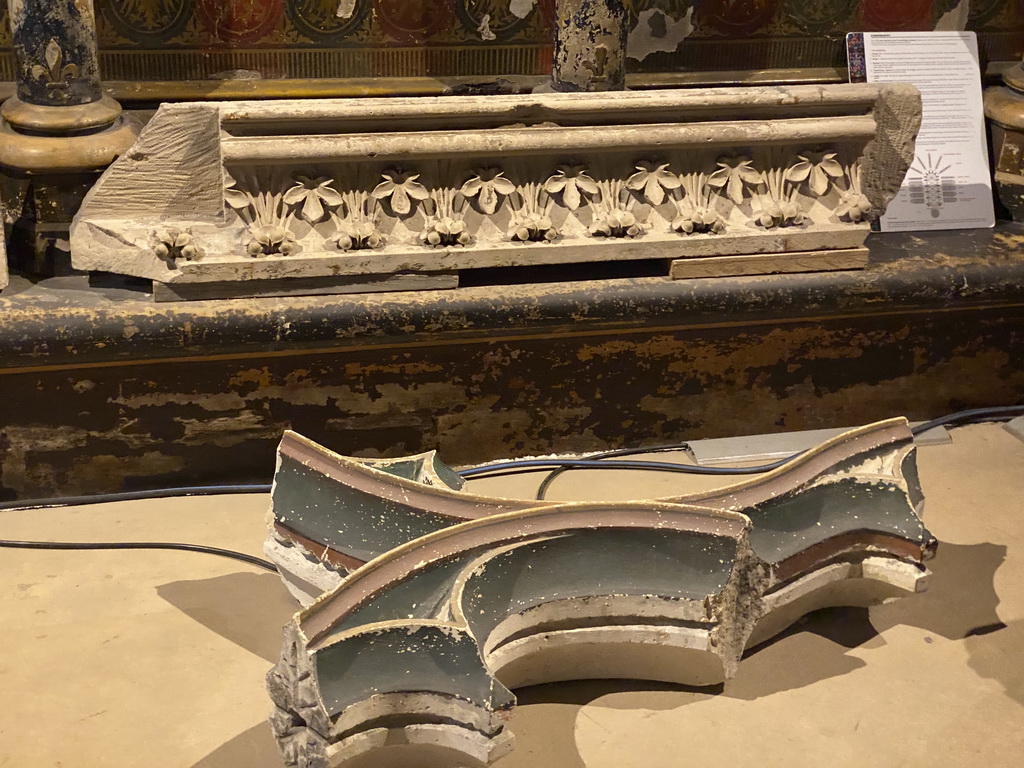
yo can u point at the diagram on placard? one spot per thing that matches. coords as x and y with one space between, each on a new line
930 184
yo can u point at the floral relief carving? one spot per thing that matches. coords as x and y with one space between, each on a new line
734 176
778 199
402 189
173 244
573 184
358 230
314 197
612 217
776 202
445 227
854 205
818 169
269 226
236 198
487 187
531 220
654 180
697 211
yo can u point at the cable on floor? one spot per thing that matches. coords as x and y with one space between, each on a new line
555 467
73 545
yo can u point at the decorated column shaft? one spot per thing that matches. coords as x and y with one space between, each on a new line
59 131
55 45
590 45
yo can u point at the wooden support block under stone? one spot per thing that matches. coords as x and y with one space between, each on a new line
314 286
769 263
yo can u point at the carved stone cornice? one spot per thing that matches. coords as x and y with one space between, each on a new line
318 190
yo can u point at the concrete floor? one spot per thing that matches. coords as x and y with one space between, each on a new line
157 659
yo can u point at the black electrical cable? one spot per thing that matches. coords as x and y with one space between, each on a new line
72 501
159 493
73 545
552 476
1003 413
557 467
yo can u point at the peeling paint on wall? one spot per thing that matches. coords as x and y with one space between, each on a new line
656 31
345 9
955 19
485 28
521 8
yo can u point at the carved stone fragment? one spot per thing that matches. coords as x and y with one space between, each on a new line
288 191
465 598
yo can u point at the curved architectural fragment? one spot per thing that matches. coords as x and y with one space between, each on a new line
421 646
332 513
468 597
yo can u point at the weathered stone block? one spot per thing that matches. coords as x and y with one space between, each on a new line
263 193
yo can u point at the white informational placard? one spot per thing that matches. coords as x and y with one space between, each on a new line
948 185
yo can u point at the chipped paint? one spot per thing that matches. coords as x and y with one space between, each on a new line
931 327
521 8
955 19
656 31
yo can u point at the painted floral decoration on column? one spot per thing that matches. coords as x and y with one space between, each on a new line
56 73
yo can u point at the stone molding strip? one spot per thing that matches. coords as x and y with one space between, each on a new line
277 196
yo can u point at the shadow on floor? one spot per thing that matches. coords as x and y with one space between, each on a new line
255 748
961 599
995 653
249 609
813 649
961 603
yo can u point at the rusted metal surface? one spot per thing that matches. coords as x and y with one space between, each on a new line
104 390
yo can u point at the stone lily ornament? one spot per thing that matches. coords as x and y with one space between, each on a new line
452 600
314 197
402 189
488 187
